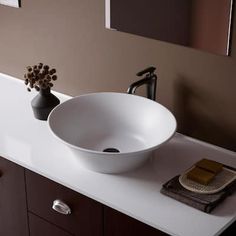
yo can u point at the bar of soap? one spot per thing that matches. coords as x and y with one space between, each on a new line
210 165
200 175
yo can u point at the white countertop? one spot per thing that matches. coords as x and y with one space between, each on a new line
29 143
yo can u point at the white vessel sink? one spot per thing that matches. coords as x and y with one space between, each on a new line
112 132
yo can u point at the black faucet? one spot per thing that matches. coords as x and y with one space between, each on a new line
150 80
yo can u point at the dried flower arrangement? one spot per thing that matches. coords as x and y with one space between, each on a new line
39 77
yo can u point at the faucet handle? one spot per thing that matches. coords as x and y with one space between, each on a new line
149 70
150 80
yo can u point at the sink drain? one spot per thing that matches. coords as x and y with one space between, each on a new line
111 150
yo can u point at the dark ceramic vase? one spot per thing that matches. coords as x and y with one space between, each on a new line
43 103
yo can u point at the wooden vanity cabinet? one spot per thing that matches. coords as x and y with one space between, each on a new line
26 200
13 209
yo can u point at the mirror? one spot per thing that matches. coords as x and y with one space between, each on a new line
11 3
200 24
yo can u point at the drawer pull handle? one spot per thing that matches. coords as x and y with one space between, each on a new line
61 207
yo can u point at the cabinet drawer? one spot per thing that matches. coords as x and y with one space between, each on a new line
86 214
39 227
119 224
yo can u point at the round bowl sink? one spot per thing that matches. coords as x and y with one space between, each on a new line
112 132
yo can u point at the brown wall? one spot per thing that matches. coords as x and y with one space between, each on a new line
198 87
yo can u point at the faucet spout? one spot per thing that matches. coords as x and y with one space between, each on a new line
150 80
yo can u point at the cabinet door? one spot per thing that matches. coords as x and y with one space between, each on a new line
86 214
230 231
118 224
13 210
40 227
